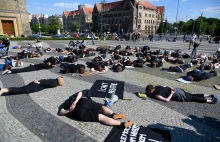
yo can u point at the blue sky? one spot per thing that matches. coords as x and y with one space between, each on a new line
188 9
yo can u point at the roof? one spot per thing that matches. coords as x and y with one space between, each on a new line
88 10
108 6
66 13
160 8
99 7
146 4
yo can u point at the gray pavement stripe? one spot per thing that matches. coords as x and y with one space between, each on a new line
11 129
155 115
36 119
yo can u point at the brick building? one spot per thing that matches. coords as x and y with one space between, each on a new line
126 16
14 18
83 16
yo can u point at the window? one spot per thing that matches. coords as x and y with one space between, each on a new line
140 14
152 15
149 15
145 14
145 21
140 7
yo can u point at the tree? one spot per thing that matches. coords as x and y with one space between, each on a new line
75 26
35 28
54 25
43 28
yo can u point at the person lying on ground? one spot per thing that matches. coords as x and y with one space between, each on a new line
139 62
98 66
82 108
72 68
108 62
179 69
13 61
209 66
177 94
156 64
198 75
51 60
31 67
35 86
68 58
175 60
118 67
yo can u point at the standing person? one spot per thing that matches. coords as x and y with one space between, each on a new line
6 43
93 36
104 35
184 38
192 40
195 45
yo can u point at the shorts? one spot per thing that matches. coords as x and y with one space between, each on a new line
87 110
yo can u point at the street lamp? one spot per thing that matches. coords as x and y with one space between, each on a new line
20 17
193 26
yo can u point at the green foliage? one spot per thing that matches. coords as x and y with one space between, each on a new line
54 25
35 28
75 26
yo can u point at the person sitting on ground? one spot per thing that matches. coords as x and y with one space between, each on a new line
198 75
82 108
72 68
177 94
35 86
31 67
179 69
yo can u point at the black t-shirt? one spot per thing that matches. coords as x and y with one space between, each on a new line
67 103
163 91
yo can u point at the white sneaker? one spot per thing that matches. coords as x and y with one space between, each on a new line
5 72
191 65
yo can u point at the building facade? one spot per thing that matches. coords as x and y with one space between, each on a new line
14 20
127 16
83 16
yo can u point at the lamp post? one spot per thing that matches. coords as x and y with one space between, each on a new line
193 26
20 17
177 12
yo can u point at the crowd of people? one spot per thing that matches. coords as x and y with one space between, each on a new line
80 106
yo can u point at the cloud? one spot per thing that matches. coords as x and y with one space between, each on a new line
45 4
168 13
192 10
70 5
183 0
43 9
212 9
152 0
35 2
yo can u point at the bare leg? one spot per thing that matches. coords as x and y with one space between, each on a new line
3 90
108 121
107 111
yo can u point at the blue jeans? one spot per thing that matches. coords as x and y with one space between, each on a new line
194 52
93 41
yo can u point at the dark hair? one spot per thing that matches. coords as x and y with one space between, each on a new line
6 67
153 64
81 70
99 68
119 69
128 63
149 88
107 63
